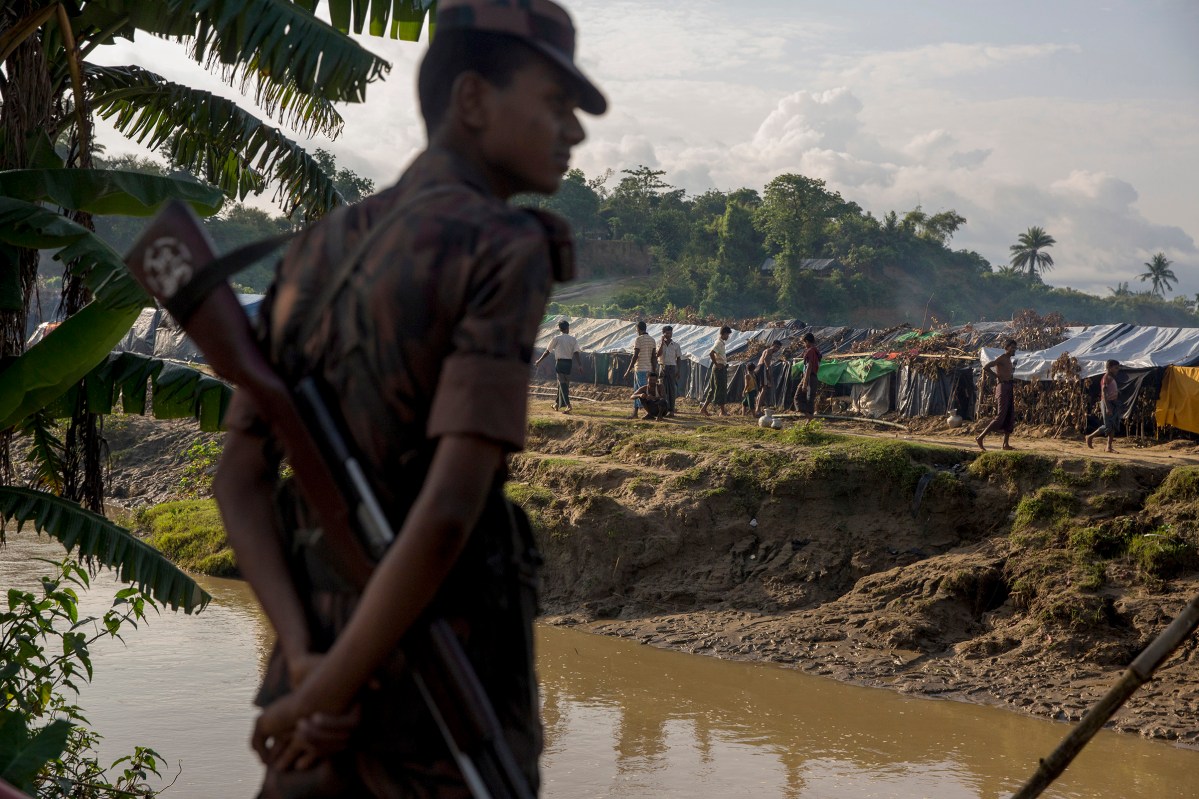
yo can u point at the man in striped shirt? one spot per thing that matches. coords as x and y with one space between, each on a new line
645 360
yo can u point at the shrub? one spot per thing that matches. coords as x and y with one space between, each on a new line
1180 485
1046 505
1160 553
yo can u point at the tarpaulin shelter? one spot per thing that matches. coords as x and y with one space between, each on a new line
1145 354
155 333
1178 404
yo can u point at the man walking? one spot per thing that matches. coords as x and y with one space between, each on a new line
669 355
565 349
645 360
718 378
1005 416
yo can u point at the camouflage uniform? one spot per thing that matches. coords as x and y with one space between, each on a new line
432 335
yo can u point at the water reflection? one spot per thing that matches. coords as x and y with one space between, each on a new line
622 720
626 720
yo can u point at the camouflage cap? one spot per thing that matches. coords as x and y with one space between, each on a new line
542 24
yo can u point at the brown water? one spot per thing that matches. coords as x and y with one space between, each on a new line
622 720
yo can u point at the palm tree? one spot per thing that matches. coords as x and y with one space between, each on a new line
1159 271
1027 251
294 65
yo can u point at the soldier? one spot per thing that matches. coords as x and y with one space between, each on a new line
426 348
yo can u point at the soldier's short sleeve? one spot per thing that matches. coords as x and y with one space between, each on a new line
483 387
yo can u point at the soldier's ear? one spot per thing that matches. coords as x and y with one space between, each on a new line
469 98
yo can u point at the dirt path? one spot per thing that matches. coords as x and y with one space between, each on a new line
604 403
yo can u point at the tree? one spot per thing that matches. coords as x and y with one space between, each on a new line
796 220
1158 270
1027 252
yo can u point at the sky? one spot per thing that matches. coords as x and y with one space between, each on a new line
1078 116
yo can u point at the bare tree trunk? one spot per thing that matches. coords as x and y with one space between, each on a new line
26 109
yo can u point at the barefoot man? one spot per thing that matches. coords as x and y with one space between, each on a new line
1005 417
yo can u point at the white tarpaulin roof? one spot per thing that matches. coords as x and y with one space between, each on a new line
617 335
1134 346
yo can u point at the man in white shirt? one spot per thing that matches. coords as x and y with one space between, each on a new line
718 379
565 349
645 360
669 355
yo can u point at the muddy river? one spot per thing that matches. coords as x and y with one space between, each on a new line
622 720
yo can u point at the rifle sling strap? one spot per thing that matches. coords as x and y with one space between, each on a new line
311 313
185 301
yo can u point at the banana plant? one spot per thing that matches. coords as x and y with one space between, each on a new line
295 66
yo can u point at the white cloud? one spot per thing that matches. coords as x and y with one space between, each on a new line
1008 126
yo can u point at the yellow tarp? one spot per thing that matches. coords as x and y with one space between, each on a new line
1178 405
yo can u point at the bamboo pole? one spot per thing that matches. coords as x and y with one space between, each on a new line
1136 675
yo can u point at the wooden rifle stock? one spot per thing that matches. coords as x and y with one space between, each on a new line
173 260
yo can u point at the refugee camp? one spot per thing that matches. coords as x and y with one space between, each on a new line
582 399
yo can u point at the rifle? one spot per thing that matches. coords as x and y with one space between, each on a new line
174 260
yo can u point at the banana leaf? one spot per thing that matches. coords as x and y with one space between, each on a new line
407 16
24 224
177 391
45 371
287 44
100 541
107 191
212 137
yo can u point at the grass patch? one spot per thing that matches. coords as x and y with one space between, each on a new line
549 427
189 532
809 434
1049 506
525 494
1160 552
1075 479
1106 540
1010 467
1180 485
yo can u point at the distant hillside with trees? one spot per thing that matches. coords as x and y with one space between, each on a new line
826 260
795 250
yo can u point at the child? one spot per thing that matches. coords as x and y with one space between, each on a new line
750 399
1109 401
425 347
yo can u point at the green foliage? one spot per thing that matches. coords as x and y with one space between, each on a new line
45 746
1013 468
1109 539
808 434
101 541
527 494
1180 485
1046 506
1161 552
1028 253
201 459
191 534
107 191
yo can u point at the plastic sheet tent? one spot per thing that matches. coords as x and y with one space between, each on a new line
156 334
607 345
1134 346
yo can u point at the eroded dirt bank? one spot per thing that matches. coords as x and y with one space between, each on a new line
1018 579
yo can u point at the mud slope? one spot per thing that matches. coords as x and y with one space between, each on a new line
1008 578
